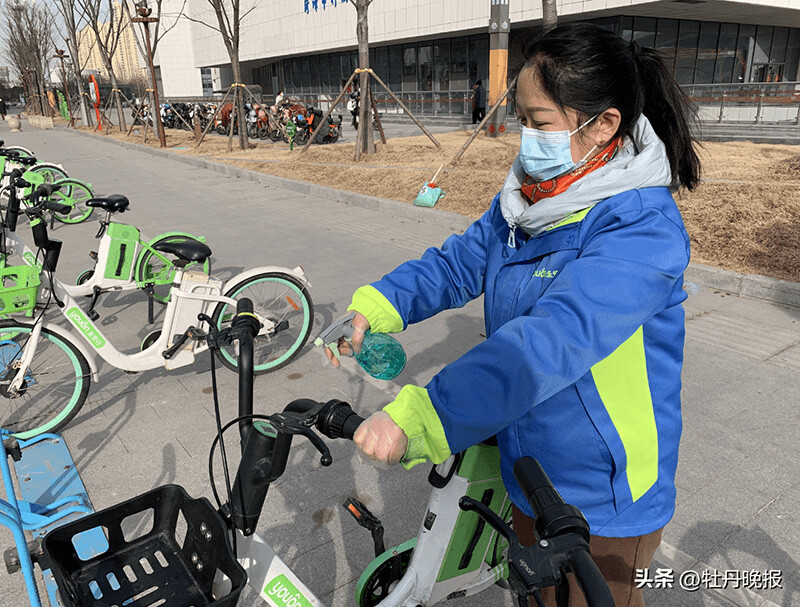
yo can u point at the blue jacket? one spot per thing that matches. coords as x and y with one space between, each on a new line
581 367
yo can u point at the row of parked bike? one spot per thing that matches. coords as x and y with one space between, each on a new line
263 121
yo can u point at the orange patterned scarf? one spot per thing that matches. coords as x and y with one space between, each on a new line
534 192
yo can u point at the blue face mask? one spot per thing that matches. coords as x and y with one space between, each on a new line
546 154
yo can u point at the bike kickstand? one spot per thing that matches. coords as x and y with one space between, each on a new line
150 307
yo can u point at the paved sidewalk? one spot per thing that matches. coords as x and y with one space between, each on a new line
738 486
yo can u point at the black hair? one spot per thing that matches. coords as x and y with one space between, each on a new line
590 69
479 83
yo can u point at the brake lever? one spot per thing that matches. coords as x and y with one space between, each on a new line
290 422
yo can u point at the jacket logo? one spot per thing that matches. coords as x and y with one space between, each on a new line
545 273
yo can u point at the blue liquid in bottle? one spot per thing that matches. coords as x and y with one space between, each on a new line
381 356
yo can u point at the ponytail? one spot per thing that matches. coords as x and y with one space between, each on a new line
590 69
670 112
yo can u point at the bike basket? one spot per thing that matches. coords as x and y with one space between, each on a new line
174 564
20 284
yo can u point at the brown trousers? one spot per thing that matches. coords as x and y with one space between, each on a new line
617 558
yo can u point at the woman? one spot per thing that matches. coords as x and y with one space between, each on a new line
580 259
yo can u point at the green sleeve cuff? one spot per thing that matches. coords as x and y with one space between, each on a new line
379 311
413 411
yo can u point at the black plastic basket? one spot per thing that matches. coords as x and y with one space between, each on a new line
181 571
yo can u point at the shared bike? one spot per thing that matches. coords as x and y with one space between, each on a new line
46 369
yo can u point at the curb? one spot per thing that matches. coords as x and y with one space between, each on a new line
774 290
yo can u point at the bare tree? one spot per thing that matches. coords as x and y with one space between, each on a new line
549 15
27 30
108 34
73 39
166 21
364 139
229 21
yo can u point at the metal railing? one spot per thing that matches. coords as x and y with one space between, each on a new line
753 102
750 103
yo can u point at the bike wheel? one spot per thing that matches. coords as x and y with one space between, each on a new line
24 152
301 136
151 269
50 172
75 194
263 133
222 130
55 386
281 298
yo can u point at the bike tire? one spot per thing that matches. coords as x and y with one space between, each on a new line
50 172
222 130
263 133
152 269
76 194
24 152
301 136
281 298
60 365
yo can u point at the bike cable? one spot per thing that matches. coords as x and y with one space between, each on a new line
218 420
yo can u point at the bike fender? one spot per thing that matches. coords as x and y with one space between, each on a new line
76 341
297 272
165 234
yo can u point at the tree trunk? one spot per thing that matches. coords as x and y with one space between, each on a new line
365 137
549 15
118 102
86 116
238 103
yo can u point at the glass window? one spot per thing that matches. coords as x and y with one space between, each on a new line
792 70
644 31
479 60
780 40
336 77
306 75
626 24
441 66
763 44
459 56
425 73
744 53
609 23
706 52
395 68
667 40
409 67
687 51
382 63
296 78
344 66
726 52
325 84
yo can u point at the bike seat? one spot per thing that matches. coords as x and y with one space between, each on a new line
187 250
114 203
25 160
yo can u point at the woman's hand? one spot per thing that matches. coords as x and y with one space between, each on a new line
347 348
381 440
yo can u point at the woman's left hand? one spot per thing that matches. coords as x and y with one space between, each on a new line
381 440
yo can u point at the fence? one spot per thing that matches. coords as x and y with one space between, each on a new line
752 103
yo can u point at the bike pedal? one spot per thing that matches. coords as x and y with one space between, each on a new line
93 255
92 315
361 513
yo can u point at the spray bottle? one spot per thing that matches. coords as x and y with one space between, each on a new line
381 355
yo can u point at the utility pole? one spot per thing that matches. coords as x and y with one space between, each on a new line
155 111
61 55
499 28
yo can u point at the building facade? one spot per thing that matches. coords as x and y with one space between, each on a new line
126 61
432 51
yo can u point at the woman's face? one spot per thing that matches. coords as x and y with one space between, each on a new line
536 110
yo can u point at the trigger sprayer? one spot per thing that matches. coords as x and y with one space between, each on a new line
381 355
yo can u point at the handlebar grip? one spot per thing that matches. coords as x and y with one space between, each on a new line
244 306
594 586
57 207
536 485
338 420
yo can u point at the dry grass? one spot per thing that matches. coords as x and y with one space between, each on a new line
745 217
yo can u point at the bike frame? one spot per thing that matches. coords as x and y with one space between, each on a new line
191 294
451 553
100 277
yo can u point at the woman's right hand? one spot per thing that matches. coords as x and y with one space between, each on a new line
347 348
